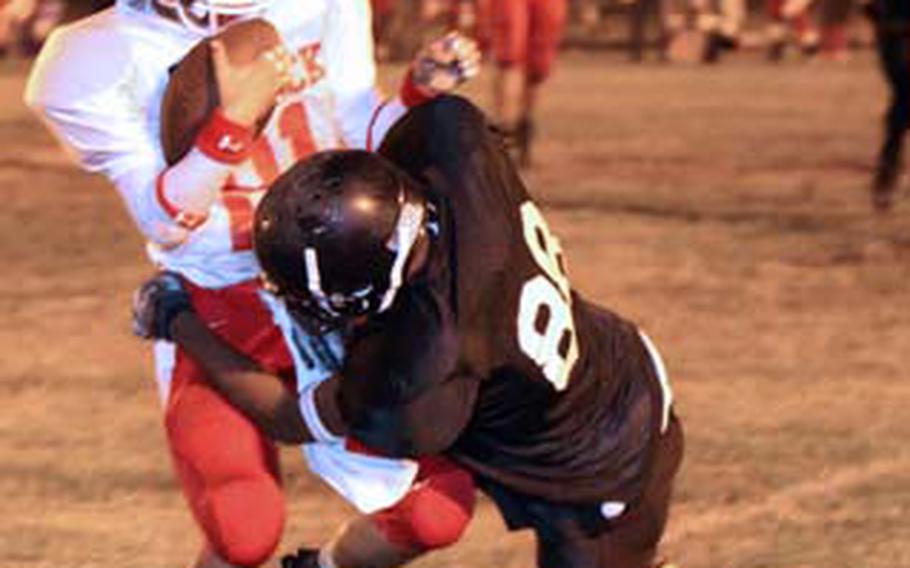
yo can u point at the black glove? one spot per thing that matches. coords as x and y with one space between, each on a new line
156 303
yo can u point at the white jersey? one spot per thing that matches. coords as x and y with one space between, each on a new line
99 82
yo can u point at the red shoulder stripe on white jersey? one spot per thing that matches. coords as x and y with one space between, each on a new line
373 118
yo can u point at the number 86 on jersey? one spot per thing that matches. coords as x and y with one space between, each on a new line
546 330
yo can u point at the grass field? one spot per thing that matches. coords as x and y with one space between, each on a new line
725 209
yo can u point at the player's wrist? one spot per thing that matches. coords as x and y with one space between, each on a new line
226 139
242 117
178 323
439 68
157 304
412 93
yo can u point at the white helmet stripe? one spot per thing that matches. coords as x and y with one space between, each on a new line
313 279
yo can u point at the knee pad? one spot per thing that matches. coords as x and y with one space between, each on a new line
229 475
434 514
244 520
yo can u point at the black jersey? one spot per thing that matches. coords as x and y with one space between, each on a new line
488 354
897 11
891 15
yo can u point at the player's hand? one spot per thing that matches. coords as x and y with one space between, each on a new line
156 303
445 63
248 92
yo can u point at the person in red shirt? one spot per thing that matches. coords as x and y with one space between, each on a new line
891 19
523 37
790 21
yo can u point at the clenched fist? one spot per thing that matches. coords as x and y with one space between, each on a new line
445 63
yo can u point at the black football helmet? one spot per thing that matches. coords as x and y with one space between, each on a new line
333 235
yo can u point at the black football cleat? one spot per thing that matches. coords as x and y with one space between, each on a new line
776 51
716 43
810 49
884 187
305 558
524 139
517 141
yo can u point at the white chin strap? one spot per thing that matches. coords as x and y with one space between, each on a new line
313 278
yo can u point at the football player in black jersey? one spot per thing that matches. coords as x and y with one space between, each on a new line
463 337
891 19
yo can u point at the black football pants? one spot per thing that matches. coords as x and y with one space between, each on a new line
632 541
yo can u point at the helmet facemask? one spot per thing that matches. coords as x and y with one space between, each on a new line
208 17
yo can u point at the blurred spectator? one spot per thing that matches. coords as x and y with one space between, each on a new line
25 24
586 12
673 17
47 16
790 23
892 32
524 39
722 22
400 27
683 38
640 13
13 16
383 11
834 17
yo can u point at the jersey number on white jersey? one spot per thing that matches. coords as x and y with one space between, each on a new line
294 141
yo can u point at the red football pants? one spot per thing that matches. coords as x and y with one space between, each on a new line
525 33
435 512
229 470
800 21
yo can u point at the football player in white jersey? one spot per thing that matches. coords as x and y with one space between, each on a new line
98 84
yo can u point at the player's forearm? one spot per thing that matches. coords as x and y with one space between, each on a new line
191 185
328 408
261 396
427 424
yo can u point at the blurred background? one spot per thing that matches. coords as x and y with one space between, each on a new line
711 169
830 28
